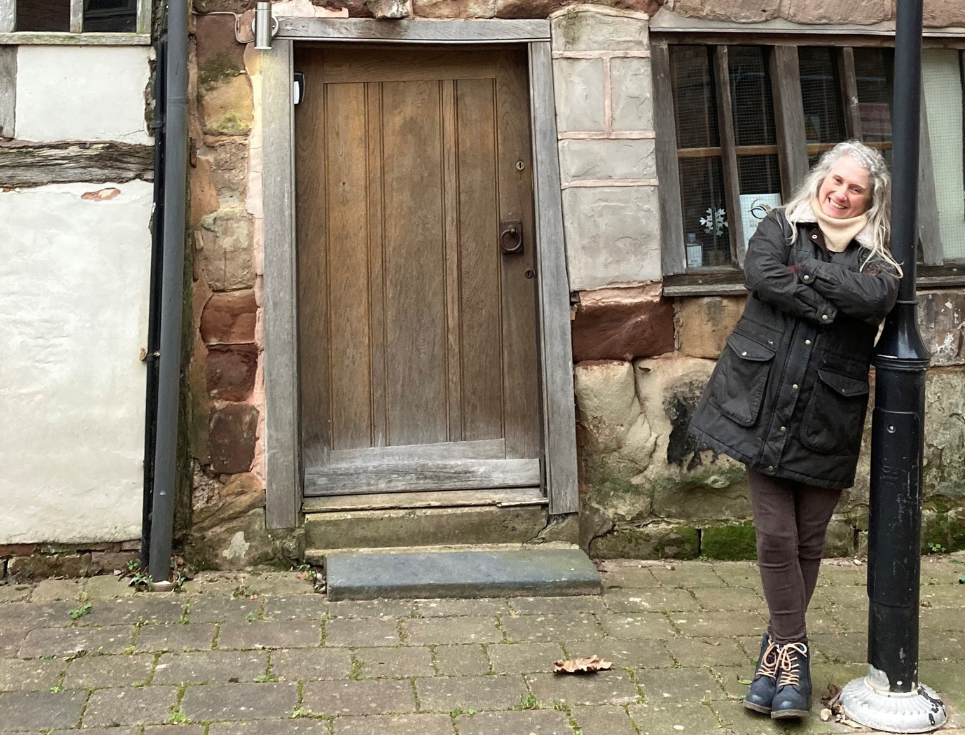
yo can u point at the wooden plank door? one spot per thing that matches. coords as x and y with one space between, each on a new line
417 332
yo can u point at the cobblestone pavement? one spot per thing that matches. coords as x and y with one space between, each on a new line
240 654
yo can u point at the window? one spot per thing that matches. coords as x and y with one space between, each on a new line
41 17
750 120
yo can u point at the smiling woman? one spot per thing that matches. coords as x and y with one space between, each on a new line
789 396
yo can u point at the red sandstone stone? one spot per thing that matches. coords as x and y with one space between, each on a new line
231 432
219 53
229 318
16 550
940 13
622 324
454 8
230 371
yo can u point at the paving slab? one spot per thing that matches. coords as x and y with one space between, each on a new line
291 726
372 609
640 653
107 587
603 720
557 605
211 667
29 676
688 652
133 610
270 634
679 685
529 722
675 719
719 623
29 615
10 642
95 672
635 626
656 600
40 710
15 592
130 706
394 663
549 628
455 660
363 632
65 641
471 692
239 701
394 725
50 590
460 574
524 658
371 697
296 607
457 607
176 637
603 687
214 609
307 664
170 730
442 631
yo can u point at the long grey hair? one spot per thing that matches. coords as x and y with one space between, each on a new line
879 214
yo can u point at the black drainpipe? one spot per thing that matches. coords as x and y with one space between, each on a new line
172 287
154 315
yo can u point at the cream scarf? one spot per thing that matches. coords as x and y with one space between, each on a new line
838 233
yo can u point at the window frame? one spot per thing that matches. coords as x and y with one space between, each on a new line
76 35
783 45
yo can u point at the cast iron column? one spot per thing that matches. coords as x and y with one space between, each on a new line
890 697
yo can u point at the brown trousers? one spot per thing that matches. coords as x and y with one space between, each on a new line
791 519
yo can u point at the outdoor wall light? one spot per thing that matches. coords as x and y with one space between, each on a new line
264 26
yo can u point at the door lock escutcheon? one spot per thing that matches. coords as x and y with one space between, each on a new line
511 237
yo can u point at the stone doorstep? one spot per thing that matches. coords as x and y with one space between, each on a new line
463 573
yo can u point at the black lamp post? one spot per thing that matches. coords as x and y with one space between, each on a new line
890 697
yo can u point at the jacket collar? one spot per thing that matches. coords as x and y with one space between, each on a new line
805 216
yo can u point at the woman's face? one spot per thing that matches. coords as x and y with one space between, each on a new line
846 191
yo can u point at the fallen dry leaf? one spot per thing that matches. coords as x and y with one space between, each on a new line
581 665
825 715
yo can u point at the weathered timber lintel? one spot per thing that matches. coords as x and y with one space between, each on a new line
25 164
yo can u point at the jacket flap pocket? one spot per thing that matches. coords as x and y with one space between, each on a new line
844 385
749 349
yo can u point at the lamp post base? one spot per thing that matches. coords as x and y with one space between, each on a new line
919 711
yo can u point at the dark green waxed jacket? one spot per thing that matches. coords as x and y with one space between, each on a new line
789 394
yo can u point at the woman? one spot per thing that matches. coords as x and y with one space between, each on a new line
789 394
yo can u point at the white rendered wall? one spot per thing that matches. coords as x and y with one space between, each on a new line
74 282
82 93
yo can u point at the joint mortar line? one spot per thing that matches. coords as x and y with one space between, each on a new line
432 659
642 54
150 677
217 636
415 695
599 135
491 669
83 710
611 184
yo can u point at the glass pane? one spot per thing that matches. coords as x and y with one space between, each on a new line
43 15
874 73
821 90
760 190
692 78
943 99
706 233
750 89
110 16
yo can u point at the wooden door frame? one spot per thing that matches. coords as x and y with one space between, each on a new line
283 444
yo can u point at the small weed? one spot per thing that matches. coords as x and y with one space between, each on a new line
704 557
129 650
178 717
183 620
139 684
460 711
81 611
265 678
935 548
527 702
56 688
356 671
242 590
560 706
301 713
141 581
133 565
250 617
48 657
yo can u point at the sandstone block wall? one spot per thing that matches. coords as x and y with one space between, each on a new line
604 108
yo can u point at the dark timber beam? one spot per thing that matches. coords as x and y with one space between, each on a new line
25 164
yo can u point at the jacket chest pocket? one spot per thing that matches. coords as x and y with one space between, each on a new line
741 379
834 419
